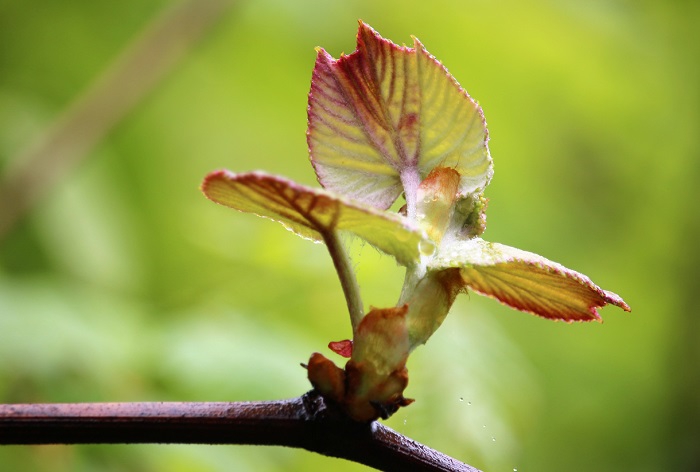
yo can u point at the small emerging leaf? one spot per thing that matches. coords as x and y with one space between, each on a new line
526 281
435 201
381 339
342 348
311 213
386 112
326 377
376 375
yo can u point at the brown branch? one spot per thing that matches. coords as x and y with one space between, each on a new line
306 422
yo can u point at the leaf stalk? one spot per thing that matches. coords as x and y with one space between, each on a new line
346 274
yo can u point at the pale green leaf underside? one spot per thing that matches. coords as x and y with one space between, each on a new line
385 108
526 281
311 213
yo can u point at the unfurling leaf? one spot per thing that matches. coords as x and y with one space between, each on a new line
387 114
526 281
372 384
376 375
435 200
381 339
326 377
342 348
311 213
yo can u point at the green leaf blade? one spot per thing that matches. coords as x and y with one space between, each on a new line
386 111
348 151
526 281
267 196
453 127
313 213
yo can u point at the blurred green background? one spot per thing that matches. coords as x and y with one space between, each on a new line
123 283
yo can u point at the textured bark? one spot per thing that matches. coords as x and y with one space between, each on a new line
306 422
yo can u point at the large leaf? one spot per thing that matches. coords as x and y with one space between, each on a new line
385 112
526 281
311 213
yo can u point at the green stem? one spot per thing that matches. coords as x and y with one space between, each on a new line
411 279
346 274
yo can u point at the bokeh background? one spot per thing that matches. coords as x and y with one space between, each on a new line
121 282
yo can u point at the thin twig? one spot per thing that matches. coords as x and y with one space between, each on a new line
115 92
306 422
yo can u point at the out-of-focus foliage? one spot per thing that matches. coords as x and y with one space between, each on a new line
127 284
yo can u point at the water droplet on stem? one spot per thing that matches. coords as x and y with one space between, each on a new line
426 248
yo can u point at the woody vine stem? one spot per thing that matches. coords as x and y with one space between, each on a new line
305 422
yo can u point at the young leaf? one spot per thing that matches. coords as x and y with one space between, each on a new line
385 116
311 213
342 348
382 340
526 281
436 200
376 375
